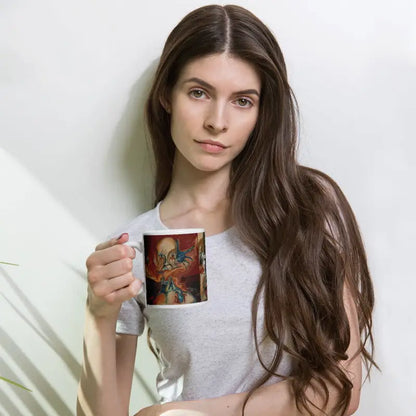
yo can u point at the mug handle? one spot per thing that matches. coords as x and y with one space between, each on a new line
138 245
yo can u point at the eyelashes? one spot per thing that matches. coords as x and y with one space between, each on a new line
243 102
196 93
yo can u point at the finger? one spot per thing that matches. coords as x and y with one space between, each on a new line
125 293
105 287
110 254
113 241
110 271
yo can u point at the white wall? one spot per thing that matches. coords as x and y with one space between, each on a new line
73 166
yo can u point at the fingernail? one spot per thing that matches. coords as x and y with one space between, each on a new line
121 236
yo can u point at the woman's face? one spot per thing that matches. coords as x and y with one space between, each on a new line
214 107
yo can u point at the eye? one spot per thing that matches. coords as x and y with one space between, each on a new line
244 102
197 93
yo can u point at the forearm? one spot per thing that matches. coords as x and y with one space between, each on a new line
98 392
273 400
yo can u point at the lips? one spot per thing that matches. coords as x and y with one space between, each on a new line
212 142
211 146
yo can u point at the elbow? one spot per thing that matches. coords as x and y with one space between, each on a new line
352 408
79 407
80 411
354 402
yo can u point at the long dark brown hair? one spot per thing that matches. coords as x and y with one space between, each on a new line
296 219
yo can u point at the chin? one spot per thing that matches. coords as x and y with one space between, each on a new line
210 168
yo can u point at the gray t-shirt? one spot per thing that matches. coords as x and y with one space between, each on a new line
206 349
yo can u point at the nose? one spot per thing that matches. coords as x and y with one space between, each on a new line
216 120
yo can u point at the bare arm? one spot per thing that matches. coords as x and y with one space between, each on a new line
106 376
276 399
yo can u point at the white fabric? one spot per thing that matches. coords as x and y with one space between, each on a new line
206 349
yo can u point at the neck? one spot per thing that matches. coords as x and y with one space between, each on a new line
197 199
197 188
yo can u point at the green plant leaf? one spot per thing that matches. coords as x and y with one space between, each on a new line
14 383
10 264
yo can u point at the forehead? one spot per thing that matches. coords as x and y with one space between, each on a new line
222 70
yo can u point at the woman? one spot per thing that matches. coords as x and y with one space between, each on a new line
295 297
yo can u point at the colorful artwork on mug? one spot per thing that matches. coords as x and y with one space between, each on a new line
175 269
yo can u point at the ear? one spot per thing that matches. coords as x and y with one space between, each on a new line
165 104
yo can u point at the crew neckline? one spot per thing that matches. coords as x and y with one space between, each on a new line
212 237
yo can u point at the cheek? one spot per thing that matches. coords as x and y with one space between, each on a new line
245 128
182 121
184 112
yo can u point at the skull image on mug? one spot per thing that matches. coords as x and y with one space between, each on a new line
175 267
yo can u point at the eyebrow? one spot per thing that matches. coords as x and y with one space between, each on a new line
210 87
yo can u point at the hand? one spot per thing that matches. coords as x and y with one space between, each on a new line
192 408
154 410
110 278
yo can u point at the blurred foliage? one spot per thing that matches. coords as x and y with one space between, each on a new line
3 378
14 383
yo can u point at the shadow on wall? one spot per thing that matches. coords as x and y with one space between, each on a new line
135 157
16 354
35 329
33 371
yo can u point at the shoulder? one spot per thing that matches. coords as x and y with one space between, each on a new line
148 220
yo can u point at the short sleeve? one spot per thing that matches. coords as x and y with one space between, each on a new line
130 319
